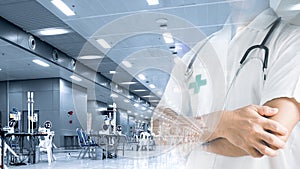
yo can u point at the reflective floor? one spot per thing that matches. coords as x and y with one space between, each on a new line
162 158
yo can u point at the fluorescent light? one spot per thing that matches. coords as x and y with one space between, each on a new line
142 77
295 7
90 57
153 2
52 31
103 43
168 37
128 83
75 78
152 86
63 7
139 90
112 72
148 96
113 95
126 63
41 63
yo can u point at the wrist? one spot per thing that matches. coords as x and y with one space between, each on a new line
221 127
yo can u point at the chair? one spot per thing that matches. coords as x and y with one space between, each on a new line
7 147
144 141
46 145
87 145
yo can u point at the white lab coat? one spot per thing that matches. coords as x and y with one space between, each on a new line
222 55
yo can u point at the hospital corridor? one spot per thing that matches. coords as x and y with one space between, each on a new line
149 84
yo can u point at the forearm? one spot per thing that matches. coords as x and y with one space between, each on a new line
288 116
222 146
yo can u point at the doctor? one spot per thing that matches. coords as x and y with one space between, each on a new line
259 107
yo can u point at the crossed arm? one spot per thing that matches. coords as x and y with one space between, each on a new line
263 136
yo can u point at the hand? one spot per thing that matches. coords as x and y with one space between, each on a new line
247 129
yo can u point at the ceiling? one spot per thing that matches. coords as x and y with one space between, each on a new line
134 32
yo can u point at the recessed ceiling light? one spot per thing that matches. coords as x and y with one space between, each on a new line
126 100
148 96
168 37
152 86
139 90
103 43
136 105
52 31
128 111
153 2
75 78
90 57
295 7
0 69
113 95
142 77
63 7
41 63
112 72
128 83
126 63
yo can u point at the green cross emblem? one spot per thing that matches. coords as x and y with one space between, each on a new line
196 85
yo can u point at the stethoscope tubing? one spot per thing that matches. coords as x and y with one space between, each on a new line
244 60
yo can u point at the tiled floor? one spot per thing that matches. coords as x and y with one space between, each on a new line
161 158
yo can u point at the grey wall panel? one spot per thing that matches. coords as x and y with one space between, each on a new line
43 100
72 98
3 102
56 100
37 85
15 87
16 101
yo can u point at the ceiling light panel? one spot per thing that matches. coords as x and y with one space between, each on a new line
126 63
53 31
63 7
153 2
128 83
142 76
103 43
41 63
90 57
168 37
75 78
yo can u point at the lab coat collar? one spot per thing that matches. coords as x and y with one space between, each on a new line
264 20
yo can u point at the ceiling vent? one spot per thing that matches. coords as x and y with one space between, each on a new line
31 43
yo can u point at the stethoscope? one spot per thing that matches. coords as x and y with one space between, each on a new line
189 70
243 61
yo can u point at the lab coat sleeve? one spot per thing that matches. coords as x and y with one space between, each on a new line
283 76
